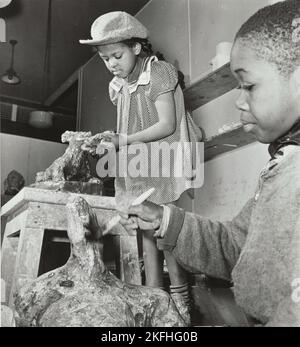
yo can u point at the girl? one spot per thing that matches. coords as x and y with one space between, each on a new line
150 109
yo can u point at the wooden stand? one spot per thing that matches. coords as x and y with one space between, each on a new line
33 212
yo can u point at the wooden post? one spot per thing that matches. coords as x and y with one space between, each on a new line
129 260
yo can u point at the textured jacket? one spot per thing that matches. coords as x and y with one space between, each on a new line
259 250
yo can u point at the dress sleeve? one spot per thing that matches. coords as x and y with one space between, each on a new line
163 79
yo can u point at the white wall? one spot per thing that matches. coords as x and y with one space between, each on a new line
27 156
168 24
187 32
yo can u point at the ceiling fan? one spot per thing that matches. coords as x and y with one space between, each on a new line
10 75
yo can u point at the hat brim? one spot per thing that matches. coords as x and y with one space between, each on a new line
90 42
100 42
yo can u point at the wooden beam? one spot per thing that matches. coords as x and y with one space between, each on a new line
66 85
35 105
62 89
79 99
208 88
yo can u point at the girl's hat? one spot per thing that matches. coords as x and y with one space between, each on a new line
114 27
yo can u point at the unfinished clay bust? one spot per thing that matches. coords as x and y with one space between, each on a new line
13 183
84 293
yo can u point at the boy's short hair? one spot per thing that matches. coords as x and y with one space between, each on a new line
273 33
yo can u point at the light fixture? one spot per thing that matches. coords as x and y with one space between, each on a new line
11 76
4 3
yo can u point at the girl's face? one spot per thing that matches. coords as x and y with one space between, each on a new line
119 58
268 101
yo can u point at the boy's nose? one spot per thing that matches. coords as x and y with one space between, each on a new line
241 102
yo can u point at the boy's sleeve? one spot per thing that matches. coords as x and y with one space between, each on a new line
288 311
202 245
164 78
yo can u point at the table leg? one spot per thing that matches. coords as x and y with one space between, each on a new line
129 260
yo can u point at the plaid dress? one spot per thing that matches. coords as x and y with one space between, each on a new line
136 111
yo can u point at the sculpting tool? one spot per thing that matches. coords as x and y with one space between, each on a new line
139 200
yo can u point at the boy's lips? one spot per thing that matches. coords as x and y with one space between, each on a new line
247 126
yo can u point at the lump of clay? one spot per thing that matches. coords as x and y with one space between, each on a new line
13 183
84 293
72 165
71 171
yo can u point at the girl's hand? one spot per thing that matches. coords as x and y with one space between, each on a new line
117 140
91 143
113 138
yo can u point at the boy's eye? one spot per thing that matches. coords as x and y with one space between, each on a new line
118 56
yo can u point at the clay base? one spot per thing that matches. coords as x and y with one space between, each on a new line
92 187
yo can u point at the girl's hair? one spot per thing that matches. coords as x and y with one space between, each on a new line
147 50
146 45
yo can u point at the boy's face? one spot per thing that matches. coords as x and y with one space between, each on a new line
268 100
119 58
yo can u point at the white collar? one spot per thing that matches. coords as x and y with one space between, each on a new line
118 83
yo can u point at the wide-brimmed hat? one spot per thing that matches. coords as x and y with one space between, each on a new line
115 27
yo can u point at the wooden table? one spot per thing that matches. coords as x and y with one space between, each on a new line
33 212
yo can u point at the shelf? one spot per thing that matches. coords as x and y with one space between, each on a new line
226 142
22 129
209 87
206 89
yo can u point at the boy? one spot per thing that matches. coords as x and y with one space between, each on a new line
259 250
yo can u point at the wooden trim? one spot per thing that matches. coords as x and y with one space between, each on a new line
79 100
66 85
85 64
62 89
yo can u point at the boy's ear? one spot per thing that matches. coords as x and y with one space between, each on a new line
137 48
295 79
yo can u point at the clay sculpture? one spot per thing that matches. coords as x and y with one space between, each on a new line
72 171
84 293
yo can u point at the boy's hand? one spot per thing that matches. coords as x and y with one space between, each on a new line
146 216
